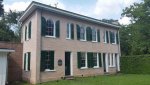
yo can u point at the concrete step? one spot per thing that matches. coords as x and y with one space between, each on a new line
69 77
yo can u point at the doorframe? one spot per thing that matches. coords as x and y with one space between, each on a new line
71 63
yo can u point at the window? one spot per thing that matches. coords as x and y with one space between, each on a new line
27 61
94 35
47 60
95 60
112 37
111 60
82 33
29 30
70 31
25 33
106 37
83 60
50 31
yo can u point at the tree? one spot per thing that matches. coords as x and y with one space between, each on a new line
139 40
1 8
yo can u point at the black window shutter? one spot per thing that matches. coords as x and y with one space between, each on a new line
29 56
90 60
29 32
72 31
98 35
43 26
107 37
57 28
100 60
43 56
52 60
78 32
24 61
88 34
117 38
25 33
79 59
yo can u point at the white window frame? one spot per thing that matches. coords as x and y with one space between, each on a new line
111 59
84 33
85 61
54 31
97 61
26 60
68 24
95 34
114 38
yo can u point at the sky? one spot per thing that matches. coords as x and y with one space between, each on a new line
99 9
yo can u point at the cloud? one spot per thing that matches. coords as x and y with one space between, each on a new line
22 5
18 6
124 21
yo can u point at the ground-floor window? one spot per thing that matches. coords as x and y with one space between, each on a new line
27 57
89 60
111 60
47 60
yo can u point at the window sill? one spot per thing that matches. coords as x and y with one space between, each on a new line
48 70
83 40
68 39
50 36
111 66
96 67
84 68
94 41
113 43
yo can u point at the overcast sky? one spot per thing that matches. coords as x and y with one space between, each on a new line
99 9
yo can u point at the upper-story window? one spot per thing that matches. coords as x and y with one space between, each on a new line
94 35
113 38
50 30
28 31
106 36
82 33
70 31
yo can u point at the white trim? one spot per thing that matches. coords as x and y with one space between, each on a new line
97 61
6 50
106 62
105 38
86 61
114 62
48 36
71 63
95 36
48 70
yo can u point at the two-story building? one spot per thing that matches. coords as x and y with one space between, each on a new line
59 43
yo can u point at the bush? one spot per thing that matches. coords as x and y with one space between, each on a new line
135 64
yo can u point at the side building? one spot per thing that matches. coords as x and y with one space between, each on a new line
59 43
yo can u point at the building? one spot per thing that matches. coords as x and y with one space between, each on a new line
10 56
59 43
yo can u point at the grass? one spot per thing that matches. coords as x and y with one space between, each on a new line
121 79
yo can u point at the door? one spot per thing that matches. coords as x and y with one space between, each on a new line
3 68
67 63
104 62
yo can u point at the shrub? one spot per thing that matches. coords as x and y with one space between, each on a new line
135 64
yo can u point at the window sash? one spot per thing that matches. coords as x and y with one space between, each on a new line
83 60
68 31
95 60
50 29
82 33
94 35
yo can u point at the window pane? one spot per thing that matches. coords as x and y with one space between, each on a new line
82 33
68 34
83 60
93 35
50 28
95 59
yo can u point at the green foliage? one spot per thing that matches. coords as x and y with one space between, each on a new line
9 28
135 38
137 64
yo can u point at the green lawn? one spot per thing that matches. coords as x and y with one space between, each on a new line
120 79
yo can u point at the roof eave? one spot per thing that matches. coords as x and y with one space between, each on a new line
35 5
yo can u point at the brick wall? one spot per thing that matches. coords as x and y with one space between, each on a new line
14 61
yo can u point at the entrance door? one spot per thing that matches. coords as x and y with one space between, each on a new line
104 62
67 63
3 68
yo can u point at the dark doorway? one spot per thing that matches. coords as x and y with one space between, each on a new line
67 63
104 62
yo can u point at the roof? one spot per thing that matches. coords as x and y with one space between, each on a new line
6 50
36 5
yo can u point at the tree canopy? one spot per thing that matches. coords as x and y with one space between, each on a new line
135 38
